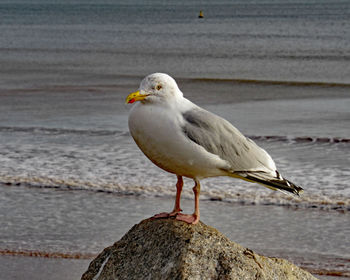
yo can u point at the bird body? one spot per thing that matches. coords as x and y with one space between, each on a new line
182 138
154 135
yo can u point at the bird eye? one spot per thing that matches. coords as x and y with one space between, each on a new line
158 87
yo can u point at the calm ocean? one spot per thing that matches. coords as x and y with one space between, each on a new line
278 70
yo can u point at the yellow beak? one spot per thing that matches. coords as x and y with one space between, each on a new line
135 96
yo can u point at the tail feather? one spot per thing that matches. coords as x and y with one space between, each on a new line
275 183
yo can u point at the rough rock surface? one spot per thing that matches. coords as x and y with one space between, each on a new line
171 249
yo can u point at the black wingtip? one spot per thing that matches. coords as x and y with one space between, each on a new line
298 190
280 184
288 186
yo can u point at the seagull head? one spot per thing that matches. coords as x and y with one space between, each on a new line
155 88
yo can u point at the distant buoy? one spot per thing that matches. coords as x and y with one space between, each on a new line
201 14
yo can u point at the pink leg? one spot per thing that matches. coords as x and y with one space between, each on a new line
177 208
179 186
194 218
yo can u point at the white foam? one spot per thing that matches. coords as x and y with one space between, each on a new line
113 163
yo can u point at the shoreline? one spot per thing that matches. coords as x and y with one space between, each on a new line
277 199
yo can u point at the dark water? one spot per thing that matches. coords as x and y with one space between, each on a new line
78 42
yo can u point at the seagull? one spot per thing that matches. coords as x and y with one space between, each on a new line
189 141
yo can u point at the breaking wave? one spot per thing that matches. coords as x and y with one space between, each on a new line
248 197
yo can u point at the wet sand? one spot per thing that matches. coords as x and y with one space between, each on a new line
31 268
80 224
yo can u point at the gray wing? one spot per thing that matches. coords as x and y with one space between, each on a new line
247 160
219 137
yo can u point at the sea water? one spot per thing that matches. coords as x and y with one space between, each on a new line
278 70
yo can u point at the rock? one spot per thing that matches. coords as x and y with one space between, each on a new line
171 249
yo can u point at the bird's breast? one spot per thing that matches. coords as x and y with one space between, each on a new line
158 133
